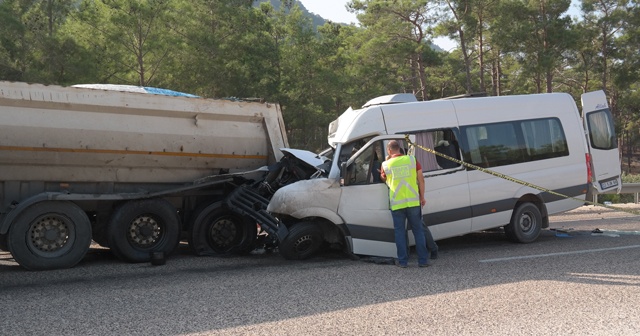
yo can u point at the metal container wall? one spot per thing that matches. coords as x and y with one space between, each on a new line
64 134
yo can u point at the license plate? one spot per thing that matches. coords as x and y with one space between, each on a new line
609 184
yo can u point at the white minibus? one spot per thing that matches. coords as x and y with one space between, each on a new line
540 139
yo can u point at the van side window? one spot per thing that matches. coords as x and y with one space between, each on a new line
365 168
544 139
601 131
499 144
442 141
351 148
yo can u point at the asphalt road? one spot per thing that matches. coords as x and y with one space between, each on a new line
570 282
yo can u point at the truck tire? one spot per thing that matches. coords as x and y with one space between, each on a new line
526 224
217 230
303 241
50 235
140 227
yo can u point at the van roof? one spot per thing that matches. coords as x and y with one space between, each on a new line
391 99
466 95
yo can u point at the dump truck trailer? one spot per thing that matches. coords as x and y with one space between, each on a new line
135 172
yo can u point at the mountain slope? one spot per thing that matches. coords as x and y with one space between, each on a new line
317 19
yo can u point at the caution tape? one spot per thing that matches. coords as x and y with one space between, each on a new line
515 180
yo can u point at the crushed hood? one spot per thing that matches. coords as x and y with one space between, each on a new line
310 158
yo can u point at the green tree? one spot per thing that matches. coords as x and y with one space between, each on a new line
605 18
220 55
12 42
488 59
302 73
131 36
34 45
399 31
338 84
622 77
461 24
580 75
537 33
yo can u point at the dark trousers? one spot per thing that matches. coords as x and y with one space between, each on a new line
431 244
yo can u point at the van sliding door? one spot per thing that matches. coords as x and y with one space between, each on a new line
602 142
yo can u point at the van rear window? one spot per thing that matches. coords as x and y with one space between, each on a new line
498 144
601 130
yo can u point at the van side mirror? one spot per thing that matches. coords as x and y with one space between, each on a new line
343 173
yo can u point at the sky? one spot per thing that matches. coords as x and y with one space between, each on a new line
335 10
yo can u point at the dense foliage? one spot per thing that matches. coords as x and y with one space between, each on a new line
245 48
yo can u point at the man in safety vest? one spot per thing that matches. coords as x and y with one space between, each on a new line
403 175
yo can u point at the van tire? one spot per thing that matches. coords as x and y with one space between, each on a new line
526 224
302 242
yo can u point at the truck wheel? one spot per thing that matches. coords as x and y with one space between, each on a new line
215 230
50 235
304 239
526 223
138 228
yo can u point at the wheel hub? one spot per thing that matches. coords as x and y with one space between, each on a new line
144 231
526 223
223 232
303 243
49 234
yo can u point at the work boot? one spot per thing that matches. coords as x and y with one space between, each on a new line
434 254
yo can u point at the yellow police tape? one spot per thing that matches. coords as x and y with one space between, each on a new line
509 178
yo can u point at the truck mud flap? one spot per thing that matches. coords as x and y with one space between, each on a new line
249 203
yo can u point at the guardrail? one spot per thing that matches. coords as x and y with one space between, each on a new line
627 188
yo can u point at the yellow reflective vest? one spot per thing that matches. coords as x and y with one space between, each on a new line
402 180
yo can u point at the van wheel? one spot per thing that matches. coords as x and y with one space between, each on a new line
304 240
216 230
138 228
50 235
525 225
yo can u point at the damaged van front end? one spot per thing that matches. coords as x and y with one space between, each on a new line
308 208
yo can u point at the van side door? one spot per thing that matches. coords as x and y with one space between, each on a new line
364 198
448 210
602 142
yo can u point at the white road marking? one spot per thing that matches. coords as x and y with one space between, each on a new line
557 220
560 254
